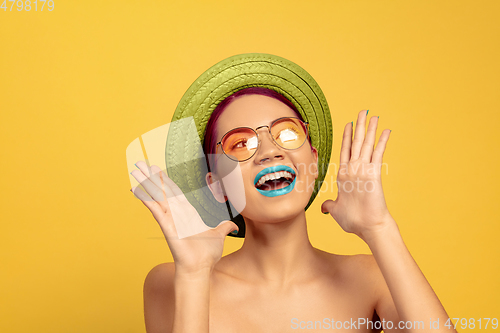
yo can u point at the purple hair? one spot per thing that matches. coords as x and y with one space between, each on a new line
209 144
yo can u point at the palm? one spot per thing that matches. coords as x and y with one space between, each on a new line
193 244
360 204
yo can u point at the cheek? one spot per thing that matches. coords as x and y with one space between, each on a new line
232 180
304 188
307 171
245 194
235 189
305 163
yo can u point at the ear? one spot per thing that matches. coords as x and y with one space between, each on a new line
215 187
314 152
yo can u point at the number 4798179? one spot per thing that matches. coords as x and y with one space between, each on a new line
27 5
471 323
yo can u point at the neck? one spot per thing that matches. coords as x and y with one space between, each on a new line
278 252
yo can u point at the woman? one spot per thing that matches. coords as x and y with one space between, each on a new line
277 281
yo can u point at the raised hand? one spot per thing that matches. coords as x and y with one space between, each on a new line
360 206
167 203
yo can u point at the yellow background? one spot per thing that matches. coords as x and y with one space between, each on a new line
80 83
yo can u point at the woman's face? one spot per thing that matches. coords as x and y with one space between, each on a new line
254 111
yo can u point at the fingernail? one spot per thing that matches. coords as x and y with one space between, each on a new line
136 165
352 123
367 112
378 117
234 232
325 212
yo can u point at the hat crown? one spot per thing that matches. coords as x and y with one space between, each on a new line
185 165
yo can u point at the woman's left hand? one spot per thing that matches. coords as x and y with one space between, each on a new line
360 206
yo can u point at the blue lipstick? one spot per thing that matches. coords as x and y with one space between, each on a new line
280 191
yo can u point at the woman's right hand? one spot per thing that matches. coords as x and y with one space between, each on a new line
191 254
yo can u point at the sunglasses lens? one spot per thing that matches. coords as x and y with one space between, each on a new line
289 133
240 144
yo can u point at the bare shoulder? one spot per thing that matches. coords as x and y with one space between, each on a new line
359 271
353 265
363 274
350 263
362 263
159 297
364 268
160 276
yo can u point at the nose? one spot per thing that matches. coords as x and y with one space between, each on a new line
267 150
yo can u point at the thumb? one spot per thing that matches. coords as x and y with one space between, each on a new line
225 227
328 206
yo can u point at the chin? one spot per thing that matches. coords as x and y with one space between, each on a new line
276 209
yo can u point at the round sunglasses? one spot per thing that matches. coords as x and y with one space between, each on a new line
241 143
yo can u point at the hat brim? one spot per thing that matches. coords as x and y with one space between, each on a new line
185 163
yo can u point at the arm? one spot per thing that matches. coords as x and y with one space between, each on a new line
159 299
360 208
192 296
410 294
176 298
173 299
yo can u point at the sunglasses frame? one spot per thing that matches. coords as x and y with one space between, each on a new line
305 124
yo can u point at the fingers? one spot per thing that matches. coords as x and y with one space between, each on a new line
160 179
363 147
226 227
369 142
157 183
157 210
147 170
154 191
327 206
359 134
345 150
378 153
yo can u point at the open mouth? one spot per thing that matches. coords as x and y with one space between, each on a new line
274 181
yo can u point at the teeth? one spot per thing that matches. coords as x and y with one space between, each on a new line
274 175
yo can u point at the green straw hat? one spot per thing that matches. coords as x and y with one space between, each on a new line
185 161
